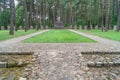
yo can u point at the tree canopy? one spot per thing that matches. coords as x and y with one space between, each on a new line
37 13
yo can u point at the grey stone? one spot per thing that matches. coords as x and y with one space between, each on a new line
21 78
96 27
70 26
20 27
66 78
42 27
31 27
11 77
115 28
8 27
80 27
2 28
1 78
112 76
46 27
58 25
3 64
91 27
75 27
85 27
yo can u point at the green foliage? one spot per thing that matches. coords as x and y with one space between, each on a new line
114 20
58 36
20 16
81 22
5 18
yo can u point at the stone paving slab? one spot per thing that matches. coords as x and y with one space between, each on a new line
112 43
68 65
77 47
63 61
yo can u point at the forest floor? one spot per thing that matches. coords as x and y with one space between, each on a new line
65 61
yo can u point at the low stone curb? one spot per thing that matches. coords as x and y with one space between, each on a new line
16 53
10 65
99 53
103 64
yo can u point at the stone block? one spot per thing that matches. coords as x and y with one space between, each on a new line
96 27
31 27
3 64
2 28
42 27
75 27
20 27
91 27
21 78
116 28
85 27
8 27
46 27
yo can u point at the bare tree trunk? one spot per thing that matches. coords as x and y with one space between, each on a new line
103 13
31 12
107 21
118 23
37 15
71 13
26 15
43 12
113 7
117 6
98 12
12 6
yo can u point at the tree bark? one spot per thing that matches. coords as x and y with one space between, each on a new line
43 12
26 15
118 23
71 13
37 15
107 20
31 12
103 13
12 9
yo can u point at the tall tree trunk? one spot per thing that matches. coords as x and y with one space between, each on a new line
71 13
107 20
31 12
14 11
118 23
37 15
117 6
43 12
98 12
113 7
103 13
12 6
26 15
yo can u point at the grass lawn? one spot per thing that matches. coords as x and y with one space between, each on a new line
4 34
58 36
110 34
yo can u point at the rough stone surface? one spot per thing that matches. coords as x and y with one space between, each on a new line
64 61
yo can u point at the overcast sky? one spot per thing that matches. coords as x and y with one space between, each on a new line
16 3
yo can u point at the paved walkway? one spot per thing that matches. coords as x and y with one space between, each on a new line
64 61
102 45
19 39
101 40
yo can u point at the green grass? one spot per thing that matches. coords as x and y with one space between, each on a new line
109 35
4 34
58 36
